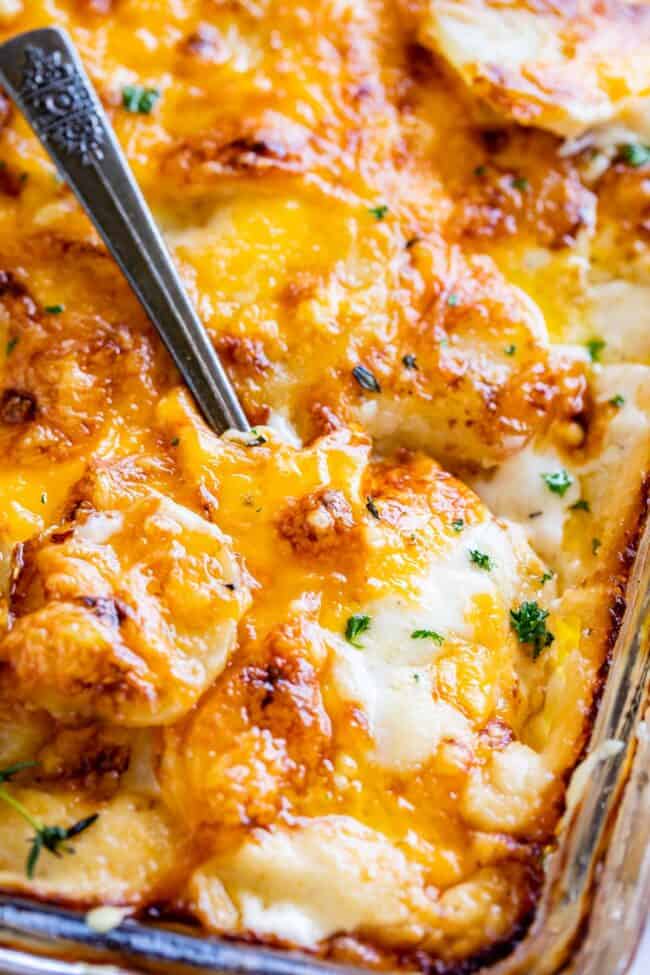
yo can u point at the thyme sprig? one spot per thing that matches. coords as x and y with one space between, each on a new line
50 838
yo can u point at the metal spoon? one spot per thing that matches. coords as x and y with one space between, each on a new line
42 73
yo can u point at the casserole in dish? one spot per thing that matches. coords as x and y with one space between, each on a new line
323 685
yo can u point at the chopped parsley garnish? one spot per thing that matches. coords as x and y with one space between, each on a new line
635 154
481 559
529 623
409 361
175 442
510 349
453 300
595 545
458 524
581 505
355 626
617 401
594 348
558 482
11 344
139 100
546 577
44 498
480 171
366 379
257 440
379 212
54 309
372 507
50 838
428 635
520 183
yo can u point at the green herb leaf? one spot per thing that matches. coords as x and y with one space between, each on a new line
54 309
428 635
366 379
379 212
480 171
6 774
558 482
635 154
581 505
80 826
409 361
175 442
594 348
139 100
510 349
595 545
520 183
11 344
529 623
546 577
372 507
33 855
53 838
481 559
355 626
257 440
458 524
453 300
50 838
617 401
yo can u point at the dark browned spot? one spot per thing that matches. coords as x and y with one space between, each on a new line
423 65
317 522
325 419
58 538
11 182
9 285
17 406
494 140
107 609
246 353
206 43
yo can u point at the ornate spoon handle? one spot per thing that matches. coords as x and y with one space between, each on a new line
42 73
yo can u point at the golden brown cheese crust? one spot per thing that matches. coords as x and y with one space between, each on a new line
102 624
343 186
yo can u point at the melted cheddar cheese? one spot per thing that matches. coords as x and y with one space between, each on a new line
323 684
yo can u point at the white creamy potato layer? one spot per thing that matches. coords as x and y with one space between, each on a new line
559 67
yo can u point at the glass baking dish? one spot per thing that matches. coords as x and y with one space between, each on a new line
597 886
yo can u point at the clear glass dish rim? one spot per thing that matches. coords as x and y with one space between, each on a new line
589 919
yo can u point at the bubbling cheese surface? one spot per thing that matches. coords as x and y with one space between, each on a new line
324 683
